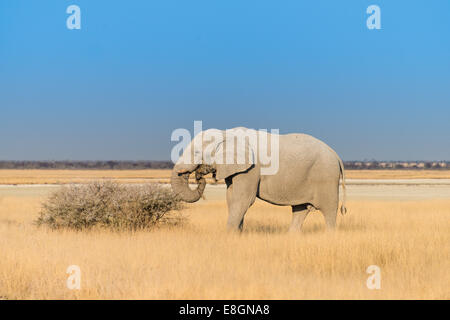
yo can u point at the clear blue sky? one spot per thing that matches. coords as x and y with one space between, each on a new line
139 69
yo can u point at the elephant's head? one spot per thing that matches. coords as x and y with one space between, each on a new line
208 153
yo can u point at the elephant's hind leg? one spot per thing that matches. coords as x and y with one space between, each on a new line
330 215
299 214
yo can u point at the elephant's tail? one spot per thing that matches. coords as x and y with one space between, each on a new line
344 195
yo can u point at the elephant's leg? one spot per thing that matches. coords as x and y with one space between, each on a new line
328 203
330 214
299 214
241 194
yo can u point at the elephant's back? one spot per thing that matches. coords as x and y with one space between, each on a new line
304 147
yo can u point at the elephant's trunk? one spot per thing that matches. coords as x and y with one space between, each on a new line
180 186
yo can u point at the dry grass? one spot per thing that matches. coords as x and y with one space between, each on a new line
38 176
11 176
398 174
409 240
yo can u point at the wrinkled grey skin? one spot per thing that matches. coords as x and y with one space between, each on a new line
307 179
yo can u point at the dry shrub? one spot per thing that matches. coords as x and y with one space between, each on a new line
111 205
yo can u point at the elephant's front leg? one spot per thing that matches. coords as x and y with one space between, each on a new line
241 194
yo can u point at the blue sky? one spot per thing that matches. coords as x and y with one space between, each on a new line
137 70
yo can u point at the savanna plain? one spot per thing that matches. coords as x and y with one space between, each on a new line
397 221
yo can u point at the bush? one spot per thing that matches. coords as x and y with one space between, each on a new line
108 204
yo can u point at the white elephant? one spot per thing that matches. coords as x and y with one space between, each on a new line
307 176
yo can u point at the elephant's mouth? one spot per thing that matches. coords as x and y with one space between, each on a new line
180 183
204 170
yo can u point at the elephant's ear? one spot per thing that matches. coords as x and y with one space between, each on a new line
233 155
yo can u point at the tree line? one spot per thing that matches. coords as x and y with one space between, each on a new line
94 165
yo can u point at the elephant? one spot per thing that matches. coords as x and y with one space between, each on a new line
307 177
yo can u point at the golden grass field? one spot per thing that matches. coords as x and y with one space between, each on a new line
39 176
408 239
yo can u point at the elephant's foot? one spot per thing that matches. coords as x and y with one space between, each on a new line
235 225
